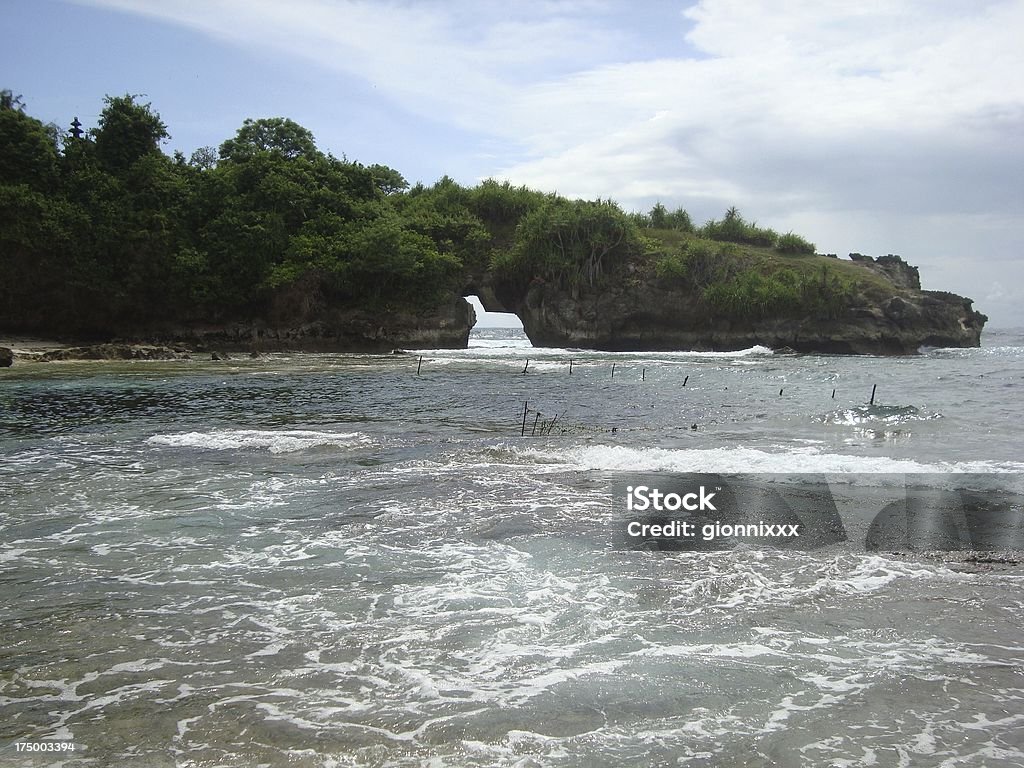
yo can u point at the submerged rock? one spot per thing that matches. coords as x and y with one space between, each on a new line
6 357
114 352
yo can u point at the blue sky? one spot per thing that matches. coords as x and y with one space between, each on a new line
890 126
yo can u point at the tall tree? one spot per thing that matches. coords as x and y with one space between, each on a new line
127 131
204 158
658 213
388 180
28 154
270 134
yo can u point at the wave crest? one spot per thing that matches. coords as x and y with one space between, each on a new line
274 441
744 461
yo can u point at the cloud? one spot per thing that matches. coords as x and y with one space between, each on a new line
819 103
459 61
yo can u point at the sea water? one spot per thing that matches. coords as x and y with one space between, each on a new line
334 560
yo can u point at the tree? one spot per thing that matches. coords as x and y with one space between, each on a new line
501 205
127 131
9 101
573 241
270 134
657 216
27 151
733 226
204 158
446 213
679 219
387 180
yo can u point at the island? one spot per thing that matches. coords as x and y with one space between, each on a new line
266 243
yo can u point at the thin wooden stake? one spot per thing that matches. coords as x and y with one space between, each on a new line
552 424
527 365
873 387
570 366
643 375
780 393
525 404
613 370
686 380
418 365
833 394
535 420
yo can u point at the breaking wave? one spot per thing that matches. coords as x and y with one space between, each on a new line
274 441
744 460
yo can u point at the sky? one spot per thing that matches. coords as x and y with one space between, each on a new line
881 126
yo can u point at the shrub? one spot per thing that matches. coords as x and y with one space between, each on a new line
734 229
657 216
672 266
501 203
679 219
570 242
785 293
793 243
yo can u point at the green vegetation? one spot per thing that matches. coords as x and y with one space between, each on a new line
792 243
569 242
692 260
734 229
106 232
661 218
785 293
741 270
754 282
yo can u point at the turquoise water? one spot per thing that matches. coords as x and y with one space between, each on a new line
329 560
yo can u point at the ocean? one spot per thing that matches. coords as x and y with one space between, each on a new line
411 560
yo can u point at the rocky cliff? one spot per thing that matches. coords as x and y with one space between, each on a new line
300 319
887 314
630 308
319 326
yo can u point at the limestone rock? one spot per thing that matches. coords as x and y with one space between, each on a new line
647 314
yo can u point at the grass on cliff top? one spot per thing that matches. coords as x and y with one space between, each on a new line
662 244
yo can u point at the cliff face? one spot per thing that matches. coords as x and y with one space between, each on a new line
446 327
630 309
638 313
305 318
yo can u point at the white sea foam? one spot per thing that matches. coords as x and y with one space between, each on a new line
868 415
275 441
494 348
746 460
750 351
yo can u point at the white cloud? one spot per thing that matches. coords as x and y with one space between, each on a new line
809 88
459 61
